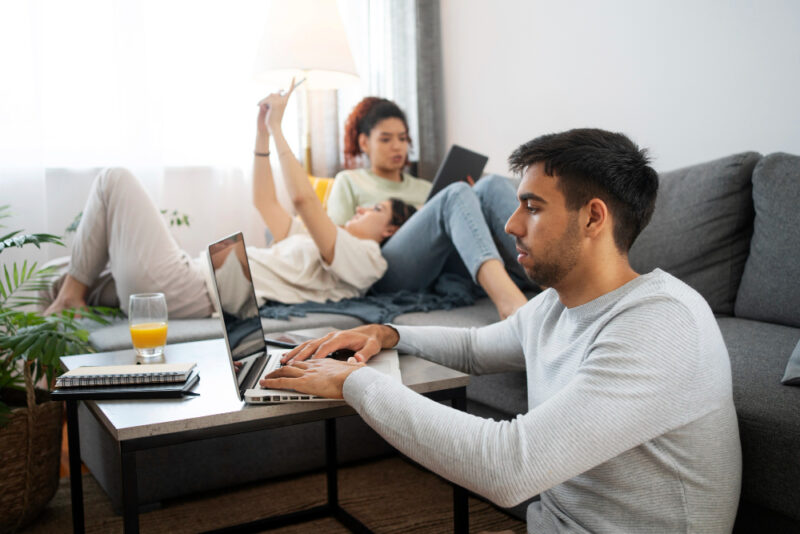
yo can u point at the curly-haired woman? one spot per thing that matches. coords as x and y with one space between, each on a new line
461 228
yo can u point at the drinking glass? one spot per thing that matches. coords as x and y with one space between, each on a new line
147 318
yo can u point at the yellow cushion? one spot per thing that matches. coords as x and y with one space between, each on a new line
322 187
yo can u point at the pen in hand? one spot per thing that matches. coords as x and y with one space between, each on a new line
281 92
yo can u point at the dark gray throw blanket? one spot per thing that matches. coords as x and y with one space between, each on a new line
449 291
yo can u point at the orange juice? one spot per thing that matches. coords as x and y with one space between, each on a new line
149 335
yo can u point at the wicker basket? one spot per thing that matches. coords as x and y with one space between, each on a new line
30 452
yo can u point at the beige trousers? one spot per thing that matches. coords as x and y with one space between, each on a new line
124 235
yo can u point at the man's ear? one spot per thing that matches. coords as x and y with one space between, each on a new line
362 142
596 217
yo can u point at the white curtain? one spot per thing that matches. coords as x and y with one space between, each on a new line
383 34
399 56
165 88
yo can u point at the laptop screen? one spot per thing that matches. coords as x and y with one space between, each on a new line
237 297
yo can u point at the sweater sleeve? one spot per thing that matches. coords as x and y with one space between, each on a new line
495 348
341 201
624 394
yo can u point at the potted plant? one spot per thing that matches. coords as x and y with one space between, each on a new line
30 348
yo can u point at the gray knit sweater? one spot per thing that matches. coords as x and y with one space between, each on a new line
631 425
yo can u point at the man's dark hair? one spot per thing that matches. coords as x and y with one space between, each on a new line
591 163
401 212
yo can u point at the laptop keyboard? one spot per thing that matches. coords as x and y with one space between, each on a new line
273 363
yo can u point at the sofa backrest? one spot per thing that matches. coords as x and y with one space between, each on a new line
700 230
770 288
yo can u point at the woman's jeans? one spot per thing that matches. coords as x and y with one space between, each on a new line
462 223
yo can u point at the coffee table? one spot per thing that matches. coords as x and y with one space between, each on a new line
137 425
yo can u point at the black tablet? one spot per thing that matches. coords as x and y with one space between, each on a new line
457 165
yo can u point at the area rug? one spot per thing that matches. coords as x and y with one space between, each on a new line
391 495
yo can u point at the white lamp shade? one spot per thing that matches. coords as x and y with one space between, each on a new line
305 38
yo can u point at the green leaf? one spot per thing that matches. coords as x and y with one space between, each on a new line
8 279
9 236
60 346
32 239
82 335
19 343
34 352
49 353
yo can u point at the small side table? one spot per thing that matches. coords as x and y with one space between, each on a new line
217 411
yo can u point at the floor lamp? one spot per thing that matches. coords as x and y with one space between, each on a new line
305 39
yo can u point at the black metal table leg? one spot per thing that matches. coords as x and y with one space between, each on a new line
75 481
331 464
460 500
332 470
130 492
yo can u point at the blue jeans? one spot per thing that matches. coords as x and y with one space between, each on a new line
461 223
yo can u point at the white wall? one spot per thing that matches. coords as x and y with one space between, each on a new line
691 80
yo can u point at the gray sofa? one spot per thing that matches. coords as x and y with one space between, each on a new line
730 228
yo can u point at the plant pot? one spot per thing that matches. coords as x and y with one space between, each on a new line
30 453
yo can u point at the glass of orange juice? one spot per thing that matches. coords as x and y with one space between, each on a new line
147 318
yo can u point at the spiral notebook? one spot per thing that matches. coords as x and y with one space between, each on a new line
137 391
126 375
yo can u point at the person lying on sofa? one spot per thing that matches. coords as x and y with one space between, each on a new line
459 230
122 228
631 423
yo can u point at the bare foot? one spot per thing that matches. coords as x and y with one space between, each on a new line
60 305
502 291
507 308
70 295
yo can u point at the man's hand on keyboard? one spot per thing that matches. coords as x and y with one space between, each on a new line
365 342
324 377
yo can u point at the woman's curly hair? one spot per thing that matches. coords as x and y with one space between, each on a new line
365 115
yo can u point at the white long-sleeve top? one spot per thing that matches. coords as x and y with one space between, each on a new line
631 424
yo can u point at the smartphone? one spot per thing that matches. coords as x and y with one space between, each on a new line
285 339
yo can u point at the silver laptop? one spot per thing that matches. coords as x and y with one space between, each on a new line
250 356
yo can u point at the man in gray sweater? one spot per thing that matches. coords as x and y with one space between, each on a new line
631 425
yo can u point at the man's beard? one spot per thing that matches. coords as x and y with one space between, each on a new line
556 259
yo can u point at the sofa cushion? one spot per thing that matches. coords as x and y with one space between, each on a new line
481 313
505 393
701 227
769 418
117 337
770 289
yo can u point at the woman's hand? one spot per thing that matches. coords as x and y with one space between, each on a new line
271 110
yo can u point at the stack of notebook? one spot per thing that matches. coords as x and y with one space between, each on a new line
160 380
